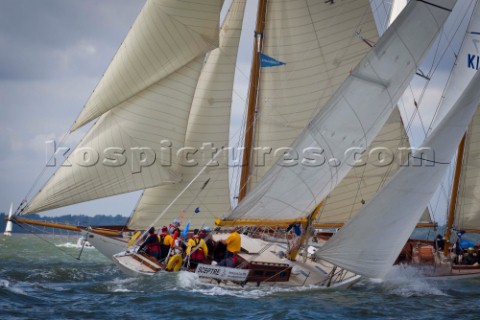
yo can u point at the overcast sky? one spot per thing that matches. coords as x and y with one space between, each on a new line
53 53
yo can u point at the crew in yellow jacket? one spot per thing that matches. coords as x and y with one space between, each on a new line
201 251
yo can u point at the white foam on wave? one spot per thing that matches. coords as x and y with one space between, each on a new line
72 245
121 285
191 281
6 284
407 281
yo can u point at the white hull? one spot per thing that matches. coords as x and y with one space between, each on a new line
303 272
108 246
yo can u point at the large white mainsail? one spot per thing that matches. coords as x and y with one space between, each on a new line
208 123
351 119
320 43
133 146
167 35
388 220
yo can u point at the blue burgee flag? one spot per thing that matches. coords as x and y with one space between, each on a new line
185 231
266 61
197 210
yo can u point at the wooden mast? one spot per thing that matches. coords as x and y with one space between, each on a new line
453 197
252 98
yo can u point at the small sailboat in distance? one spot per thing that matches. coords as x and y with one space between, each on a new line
9 225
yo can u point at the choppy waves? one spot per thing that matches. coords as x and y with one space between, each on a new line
44 279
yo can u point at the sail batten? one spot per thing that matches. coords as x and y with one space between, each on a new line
352 118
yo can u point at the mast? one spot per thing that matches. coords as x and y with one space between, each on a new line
252 97
453 197
306 225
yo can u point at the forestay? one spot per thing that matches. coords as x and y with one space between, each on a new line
369 244
351 118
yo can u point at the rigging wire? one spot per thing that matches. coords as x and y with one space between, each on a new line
437 61
38 235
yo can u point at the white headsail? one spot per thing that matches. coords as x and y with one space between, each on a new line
388 220
167 35
208 123
351 119
146 99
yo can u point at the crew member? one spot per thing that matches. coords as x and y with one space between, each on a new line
151 244
233 243
166 242
197 249
174 226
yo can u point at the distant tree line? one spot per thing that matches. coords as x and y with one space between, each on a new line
74 220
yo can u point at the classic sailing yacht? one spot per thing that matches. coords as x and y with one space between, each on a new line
463 211
329 92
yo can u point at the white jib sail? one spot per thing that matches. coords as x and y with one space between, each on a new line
208 123
351 119
369 244
131 147
167 35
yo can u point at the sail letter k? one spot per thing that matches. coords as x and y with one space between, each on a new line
51 159
471 58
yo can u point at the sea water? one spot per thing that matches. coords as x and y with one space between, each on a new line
41 278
